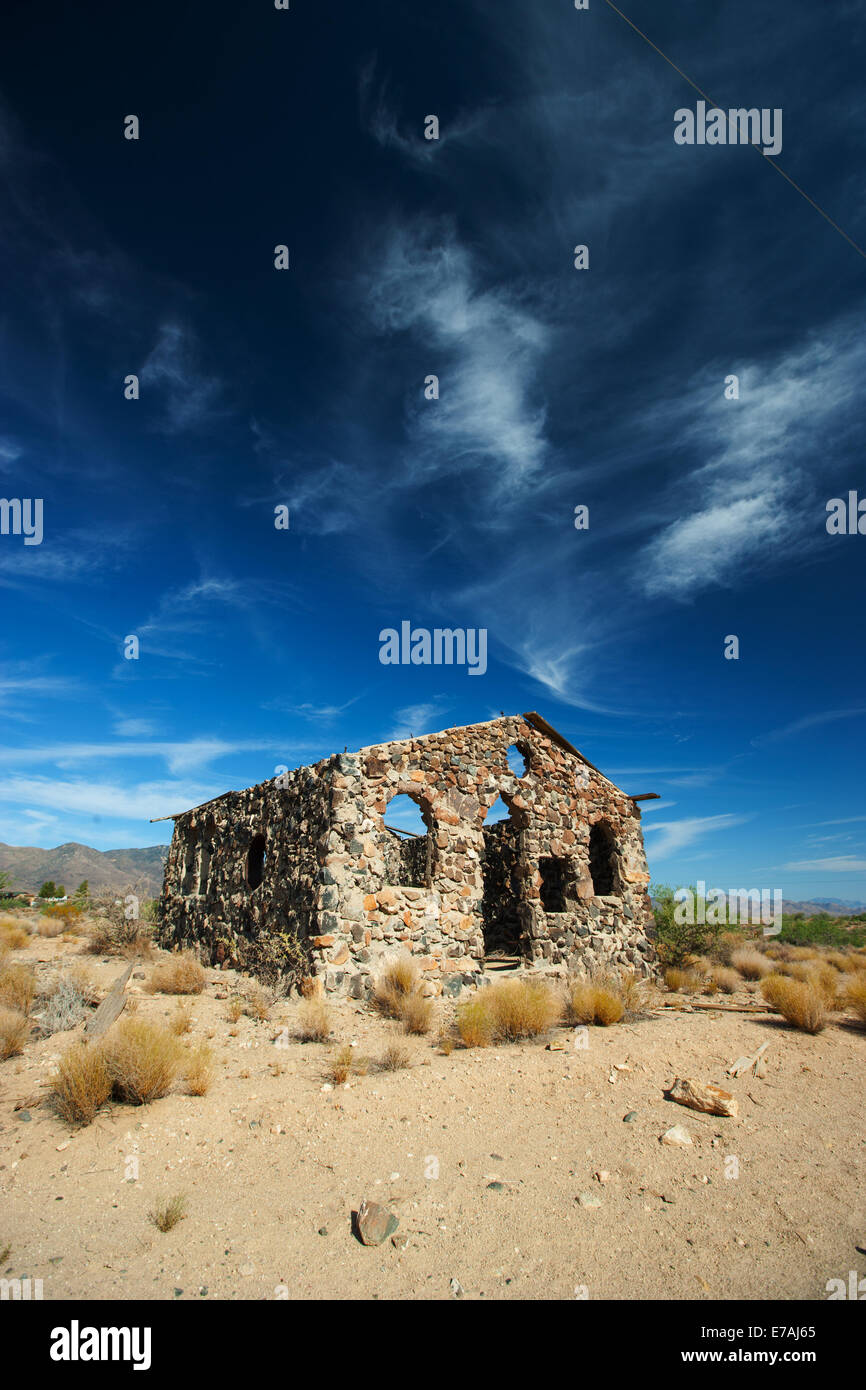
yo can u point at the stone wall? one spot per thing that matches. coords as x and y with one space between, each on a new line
454 777
209 900
356 893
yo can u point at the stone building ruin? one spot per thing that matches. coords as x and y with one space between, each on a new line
561 883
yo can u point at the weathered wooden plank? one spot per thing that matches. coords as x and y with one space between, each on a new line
111 1006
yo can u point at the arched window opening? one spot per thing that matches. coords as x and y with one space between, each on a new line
518 763
602 860
256 858
408 844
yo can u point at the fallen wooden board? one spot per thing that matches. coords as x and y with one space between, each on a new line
722 1008
743 1064
111 1006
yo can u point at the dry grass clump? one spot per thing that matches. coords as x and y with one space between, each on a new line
82 1083
798 1001
183 975
17 987
682 980
235 1008
346 1063
181 1020
855 995
507 1011
258 1002
314 1021
417 1014
12 934
395 1057
14 1031
752 964
166 1215
474 1022
817 973
593 1001
143 1060
81 977
725 944
725 978
398 995
198 1069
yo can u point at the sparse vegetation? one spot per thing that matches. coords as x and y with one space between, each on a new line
345 1063
166 1215
396 1057
181 1020
14 1030
751 963
593 1001
855 995
314 1021
683 980
17 987
726 979
798 1001
143 1060
12 934
81 1084
63 1008
198 1069
398 995
506 1012
181 975
235 1008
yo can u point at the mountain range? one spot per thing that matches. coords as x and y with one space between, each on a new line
69 864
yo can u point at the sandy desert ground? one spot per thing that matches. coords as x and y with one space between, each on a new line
512 1170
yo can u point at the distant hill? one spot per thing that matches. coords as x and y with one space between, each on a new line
70 864
836 907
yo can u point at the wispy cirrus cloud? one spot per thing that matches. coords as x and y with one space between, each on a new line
674 836
190 395
809 721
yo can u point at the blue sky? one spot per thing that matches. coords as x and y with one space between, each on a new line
260 648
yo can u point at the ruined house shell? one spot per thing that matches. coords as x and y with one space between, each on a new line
563 881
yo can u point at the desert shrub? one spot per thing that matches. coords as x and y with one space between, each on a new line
66 914
198 1069
181 1020
817 973
395 1057
675 940
314 1021
235 1008
182 975
507 1011
345 1063
751 964
62 1009
821 930
682 980
398 981
14 1031
855 995
143 1060
258 1002
278 959
82 1083
725 978
81 977
417 1014
798 1001
397 995
166 1215
591 1001
17 987
12 934
725 944
475 1023
112 934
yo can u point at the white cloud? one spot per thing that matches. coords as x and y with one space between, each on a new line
677 834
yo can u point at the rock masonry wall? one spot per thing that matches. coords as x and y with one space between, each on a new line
334 875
